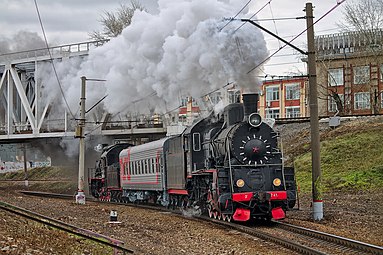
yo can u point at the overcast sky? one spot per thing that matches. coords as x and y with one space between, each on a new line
70 21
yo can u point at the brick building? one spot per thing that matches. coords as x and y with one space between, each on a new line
349 73
284 98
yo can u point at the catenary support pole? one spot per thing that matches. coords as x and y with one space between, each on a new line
80 197
314 121
25 165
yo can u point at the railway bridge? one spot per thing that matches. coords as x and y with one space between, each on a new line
25 114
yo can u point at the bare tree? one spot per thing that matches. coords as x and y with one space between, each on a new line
114 22
363 15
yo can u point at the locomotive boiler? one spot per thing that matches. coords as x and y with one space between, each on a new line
228 166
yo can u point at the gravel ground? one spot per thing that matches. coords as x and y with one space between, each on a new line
356 216
144 231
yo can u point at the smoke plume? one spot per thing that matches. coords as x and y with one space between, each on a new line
181 50
22 40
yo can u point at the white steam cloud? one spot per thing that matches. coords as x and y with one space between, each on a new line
178 51
22 40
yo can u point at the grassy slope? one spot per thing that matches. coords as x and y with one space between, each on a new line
61 179
37 173
352 161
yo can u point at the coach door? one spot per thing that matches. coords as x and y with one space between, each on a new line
176 173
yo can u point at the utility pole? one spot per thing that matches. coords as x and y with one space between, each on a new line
314 118
313 101
26 183
80 197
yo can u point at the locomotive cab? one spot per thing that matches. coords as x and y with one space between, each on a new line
105 177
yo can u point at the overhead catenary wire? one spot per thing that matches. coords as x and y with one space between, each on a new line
51 60
275 25
324 15
133 102
231 19
253 15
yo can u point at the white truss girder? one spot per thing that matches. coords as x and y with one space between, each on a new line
22 113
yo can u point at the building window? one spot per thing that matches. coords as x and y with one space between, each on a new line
332 107
381 99
361 74
293 112
292 91
186 100
362 100
234 96
335 77
272 93
215 97
381 72
272 113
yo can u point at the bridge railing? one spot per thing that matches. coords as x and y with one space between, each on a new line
61 50
60 125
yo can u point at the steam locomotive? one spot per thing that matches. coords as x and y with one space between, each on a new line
229 167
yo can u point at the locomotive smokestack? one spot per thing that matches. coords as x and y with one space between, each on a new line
250 103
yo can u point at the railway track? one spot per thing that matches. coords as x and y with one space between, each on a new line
295 238
304 240
33 181
344 245
117 245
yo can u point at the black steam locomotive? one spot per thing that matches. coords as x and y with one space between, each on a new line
229 167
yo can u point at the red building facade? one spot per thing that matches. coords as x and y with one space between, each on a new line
283 98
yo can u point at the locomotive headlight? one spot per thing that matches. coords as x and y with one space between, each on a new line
277 182
255 120
240 183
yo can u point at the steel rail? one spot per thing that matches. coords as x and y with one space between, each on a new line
29 180
257 232
96 237
265 236
354 244
50 195
251 231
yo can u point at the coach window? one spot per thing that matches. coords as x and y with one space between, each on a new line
151 165
138 168
155 165
143 166
196 142
126 166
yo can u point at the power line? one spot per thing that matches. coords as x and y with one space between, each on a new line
253 15
277 19
133 102
51 60
324 15
275 25
285 63
231 19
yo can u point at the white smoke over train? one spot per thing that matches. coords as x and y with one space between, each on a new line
22 40
178 51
